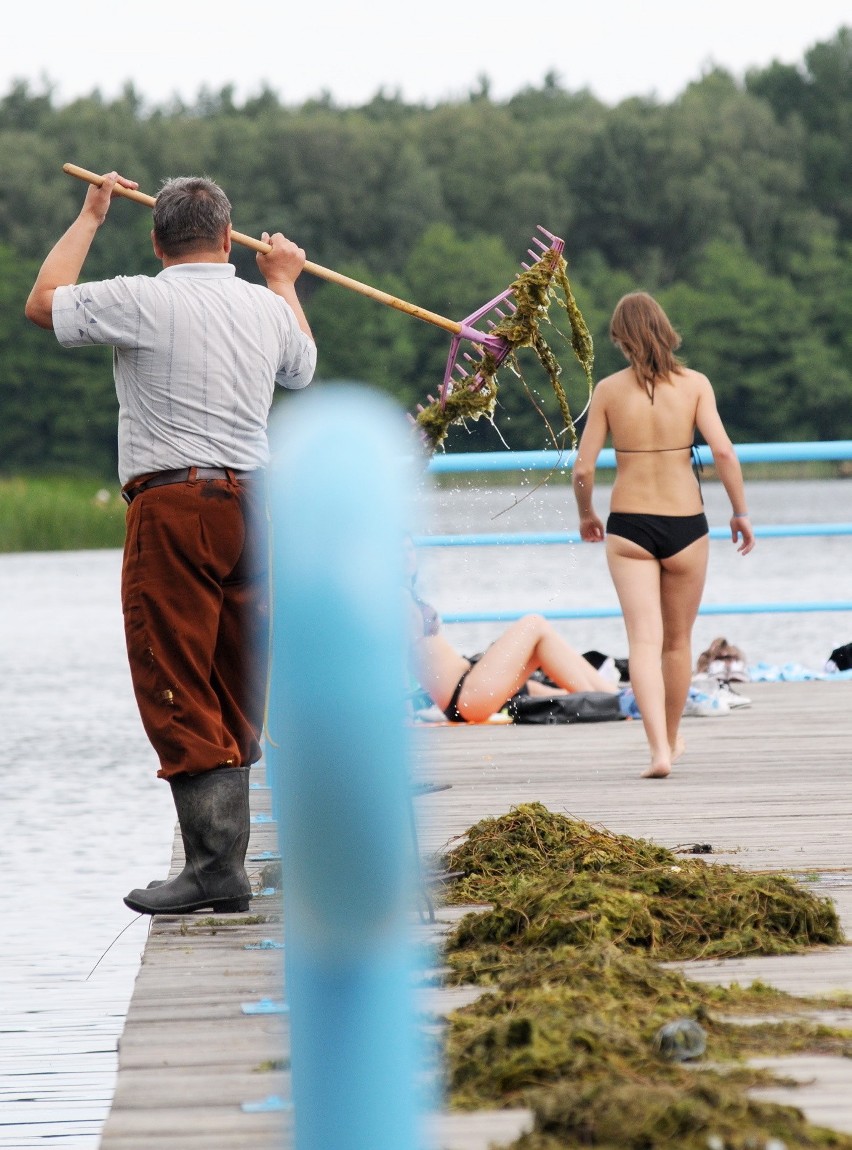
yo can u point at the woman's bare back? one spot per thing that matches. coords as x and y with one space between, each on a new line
653 441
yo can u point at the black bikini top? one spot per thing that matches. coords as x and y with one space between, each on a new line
642 450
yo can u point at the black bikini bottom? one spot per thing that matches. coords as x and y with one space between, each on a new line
452 709
661 535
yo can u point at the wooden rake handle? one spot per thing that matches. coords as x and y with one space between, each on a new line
315 269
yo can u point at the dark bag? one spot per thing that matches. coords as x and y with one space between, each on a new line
841 657
580 707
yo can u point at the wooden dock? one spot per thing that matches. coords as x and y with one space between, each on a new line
204 1054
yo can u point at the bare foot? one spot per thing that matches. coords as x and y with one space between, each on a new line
678 749
657 771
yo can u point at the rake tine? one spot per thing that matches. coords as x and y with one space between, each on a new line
557 244
485 338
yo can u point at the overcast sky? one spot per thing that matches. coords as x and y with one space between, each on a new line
426 52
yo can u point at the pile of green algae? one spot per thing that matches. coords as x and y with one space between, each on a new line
576 926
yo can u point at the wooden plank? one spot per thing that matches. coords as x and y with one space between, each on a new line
246 1044
224 1125
197 1088
824 1090
484 1130
825 971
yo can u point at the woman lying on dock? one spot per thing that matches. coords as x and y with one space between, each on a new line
469 691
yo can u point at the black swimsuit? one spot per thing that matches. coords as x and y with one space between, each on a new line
431 626
452 708
660 535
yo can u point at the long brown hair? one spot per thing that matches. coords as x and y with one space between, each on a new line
641 330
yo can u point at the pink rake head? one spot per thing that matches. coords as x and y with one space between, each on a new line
456 375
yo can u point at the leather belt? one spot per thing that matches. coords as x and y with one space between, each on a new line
184 475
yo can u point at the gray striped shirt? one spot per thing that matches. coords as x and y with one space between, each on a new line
196 356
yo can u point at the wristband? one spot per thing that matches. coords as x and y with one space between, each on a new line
744 515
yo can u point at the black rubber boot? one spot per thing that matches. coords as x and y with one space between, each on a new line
213 814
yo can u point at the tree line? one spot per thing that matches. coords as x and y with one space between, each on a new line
732 204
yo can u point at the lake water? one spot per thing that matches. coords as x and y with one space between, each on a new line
84 818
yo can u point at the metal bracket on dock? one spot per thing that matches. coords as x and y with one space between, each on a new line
265 1006
270 1105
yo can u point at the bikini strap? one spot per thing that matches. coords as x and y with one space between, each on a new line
431 618
697 464
697 469
651 450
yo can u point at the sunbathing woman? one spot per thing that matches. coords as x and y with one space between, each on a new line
657 533
469 692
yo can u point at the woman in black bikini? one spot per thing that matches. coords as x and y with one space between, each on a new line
656 534
469 692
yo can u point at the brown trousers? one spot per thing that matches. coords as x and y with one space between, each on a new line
195 597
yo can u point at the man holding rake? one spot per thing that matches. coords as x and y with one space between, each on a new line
197 353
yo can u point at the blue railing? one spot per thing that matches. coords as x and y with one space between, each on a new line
832 450
836 450
615 612
508 539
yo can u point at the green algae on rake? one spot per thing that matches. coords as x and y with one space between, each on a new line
471 396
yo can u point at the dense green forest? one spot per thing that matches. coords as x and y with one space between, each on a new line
732 204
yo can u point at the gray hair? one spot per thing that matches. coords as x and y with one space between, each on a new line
191 213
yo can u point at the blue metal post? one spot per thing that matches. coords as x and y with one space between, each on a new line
339 493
